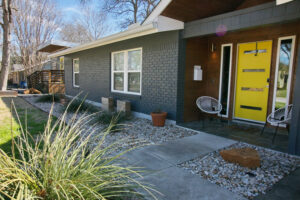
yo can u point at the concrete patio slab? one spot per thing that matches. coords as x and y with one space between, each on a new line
187 148
177 184
146 160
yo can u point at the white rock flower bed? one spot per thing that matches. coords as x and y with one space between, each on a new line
135 132
247 182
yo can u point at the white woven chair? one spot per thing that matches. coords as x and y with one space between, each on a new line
208 105
278 117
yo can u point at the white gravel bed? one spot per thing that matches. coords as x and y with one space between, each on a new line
244 181
134 133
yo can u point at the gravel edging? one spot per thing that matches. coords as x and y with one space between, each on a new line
244 181
134 133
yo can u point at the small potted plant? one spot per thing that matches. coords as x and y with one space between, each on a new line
158 118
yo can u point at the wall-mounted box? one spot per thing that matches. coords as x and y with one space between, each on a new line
197 73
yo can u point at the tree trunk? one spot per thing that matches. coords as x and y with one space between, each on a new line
6 26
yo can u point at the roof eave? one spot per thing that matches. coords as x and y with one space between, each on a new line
128 34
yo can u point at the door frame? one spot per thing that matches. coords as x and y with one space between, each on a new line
235 81
289 83
229 79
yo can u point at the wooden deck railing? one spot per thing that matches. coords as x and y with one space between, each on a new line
47 81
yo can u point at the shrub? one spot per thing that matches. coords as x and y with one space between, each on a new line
80 105
62 165
106 117
49 98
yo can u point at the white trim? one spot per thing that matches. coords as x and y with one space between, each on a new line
158 24
229 79
293 37
125 35
157 11
250 120
135 114
125 71
279 2
73 72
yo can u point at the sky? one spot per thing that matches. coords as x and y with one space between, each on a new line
71 9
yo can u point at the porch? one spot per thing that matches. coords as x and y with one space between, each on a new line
250 73
243 132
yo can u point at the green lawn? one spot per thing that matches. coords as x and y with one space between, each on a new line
36 120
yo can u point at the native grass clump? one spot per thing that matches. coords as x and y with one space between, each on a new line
60 164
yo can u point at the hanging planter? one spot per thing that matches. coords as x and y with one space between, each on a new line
159 118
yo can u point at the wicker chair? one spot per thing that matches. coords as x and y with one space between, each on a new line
209 105
278 117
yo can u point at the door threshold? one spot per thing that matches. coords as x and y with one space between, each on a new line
249 123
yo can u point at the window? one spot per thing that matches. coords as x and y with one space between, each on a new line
225 74
76 72
283 74
61 63
126 71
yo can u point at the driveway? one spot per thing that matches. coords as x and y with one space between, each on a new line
160 163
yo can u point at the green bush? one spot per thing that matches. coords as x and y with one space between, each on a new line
49 98
106 117
62 164
80 105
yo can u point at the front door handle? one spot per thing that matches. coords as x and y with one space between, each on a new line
268 80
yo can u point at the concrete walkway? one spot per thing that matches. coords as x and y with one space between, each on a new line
160 165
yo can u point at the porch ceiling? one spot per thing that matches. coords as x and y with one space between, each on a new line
189 10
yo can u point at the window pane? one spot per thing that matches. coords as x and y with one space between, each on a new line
119 81
134 82
134 60
283 73
76 65
225 77
61 63
118 61
76 79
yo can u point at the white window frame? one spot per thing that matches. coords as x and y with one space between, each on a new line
289 82
229 78
77 86
126 71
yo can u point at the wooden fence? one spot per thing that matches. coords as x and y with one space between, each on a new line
47 81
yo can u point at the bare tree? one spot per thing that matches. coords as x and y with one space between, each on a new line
131 11
35 23
89 27
6 26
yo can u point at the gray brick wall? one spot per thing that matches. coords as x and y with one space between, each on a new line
159 72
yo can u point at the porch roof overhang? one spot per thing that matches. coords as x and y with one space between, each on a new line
190 10
55 45
159 24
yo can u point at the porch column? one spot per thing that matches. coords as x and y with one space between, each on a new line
294 135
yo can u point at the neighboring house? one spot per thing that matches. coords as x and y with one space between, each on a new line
242 46
52 47
50 79
16 74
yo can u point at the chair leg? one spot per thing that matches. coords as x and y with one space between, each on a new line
221 121
275 134
262 131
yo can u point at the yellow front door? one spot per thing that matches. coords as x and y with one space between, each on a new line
252 88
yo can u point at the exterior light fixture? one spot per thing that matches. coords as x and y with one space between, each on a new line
197 73
213 47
